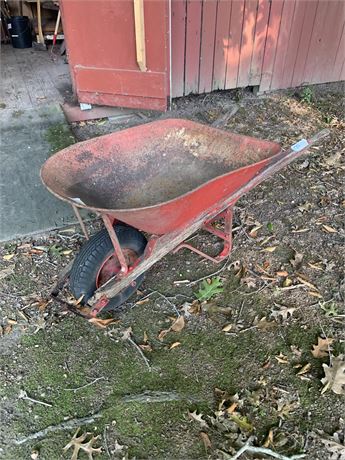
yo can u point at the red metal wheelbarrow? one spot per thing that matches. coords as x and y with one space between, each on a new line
167 178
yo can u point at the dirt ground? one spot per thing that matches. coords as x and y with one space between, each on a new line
248 366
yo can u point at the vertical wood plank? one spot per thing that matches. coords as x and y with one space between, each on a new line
331 35
207 45
282 45
339 58
221 45
247 42
259 42
271 44
178 25
235 33
312 68
294 42
307 28
193 35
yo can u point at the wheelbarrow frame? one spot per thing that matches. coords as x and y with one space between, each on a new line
159 246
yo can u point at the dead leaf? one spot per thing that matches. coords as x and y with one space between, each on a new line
269 439
269 249
227 328
174 345
178 324
287 282
306 368
34 455
145 337
282 358
334 375
126 333
102 323
297 260
197 418
329 229
205 440
141 302
315 294
282 273
78 444
283 312
145 347
7 271
254 231
285 408
163 333
322 348
8 256
264 325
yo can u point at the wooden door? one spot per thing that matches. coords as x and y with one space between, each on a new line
101 43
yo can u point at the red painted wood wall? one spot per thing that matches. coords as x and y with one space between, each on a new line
273 44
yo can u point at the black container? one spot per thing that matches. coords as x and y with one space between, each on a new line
20 30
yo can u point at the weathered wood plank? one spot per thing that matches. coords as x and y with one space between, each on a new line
259 41
193 34
221 45
207 45
235 34
283 43
247 42
302 53
178 24
271 44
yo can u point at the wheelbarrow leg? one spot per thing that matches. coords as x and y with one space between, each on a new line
80 220
117 247
225 235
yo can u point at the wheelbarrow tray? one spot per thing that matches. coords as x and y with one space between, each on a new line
156 176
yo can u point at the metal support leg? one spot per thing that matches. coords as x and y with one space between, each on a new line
225 235
80 220
118 251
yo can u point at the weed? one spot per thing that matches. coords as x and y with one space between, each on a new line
307 95
209 288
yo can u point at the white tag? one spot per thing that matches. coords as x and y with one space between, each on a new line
78 200
9 26
300 145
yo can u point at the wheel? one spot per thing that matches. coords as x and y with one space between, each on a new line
96 263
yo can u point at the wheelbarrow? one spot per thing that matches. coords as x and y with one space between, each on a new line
168 179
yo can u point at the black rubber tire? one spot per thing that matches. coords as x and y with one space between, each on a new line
93 253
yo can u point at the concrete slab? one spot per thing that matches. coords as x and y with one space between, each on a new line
28 138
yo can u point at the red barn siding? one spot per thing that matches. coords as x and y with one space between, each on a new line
272 44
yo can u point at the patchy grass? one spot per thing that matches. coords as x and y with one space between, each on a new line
59 137
81 370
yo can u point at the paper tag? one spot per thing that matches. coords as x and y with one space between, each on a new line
9 26
78 200
300 145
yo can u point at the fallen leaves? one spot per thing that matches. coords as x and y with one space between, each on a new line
334 375
329 229
102 323
79 443
269 249
7 271
176 326
197 418
282 312
323 347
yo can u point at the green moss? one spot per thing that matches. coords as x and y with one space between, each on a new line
59 137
